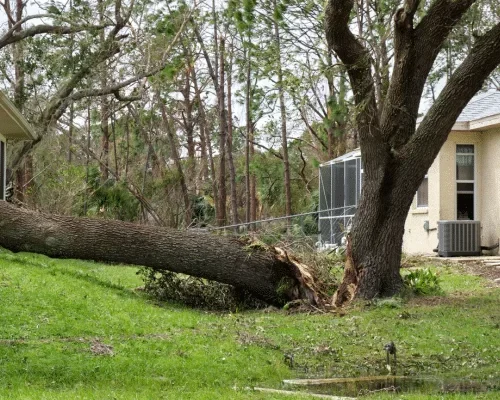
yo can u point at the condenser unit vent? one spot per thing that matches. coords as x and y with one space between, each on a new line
459 238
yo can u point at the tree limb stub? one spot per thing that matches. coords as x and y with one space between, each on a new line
270 274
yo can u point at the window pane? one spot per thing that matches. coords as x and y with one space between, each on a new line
423 193
465 167
465 148
465 187
465 206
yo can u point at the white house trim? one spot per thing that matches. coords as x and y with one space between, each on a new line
12 124
487 122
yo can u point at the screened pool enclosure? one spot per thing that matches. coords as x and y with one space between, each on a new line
339 193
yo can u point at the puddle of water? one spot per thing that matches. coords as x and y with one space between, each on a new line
352 387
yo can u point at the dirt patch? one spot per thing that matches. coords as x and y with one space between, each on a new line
456 299
246 339
478 266
489 272
100 349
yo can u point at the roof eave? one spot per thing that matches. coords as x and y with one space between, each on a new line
491 121
22 129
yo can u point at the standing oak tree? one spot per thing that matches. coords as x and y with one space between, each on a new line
395 152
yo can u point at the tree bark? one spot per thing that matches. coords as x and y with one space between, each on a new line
268 273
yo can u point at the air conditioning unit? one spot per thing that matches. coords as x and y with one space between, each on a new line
459 238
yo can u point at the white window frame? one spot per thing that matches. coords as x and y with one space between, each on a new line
416 194
473 181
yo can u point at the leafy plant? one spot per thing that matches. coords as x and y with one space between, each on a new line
110 198
423 282
196 292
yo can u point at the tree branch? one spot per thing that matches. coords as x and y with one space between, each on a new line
211 71
13 35
415 50
311 129
37 30
357 61
465 82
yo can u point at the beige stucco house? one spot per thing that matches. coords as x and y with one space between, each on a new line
463 183
13 126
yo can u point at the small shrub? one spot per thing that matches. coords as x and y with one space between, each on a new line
423 282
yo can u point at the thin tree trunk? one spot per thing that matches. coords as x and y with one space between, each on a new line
250 179
19 61
70 132
206 151
221 208
24 173
72 106
269 274
104 104
87 162
177 160
254 202
232 172
115 152
188 122
105 136
247 139
206 132
127 153
284 140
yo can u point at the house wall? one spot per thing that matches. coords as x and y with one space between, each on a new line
448 174
490 194
442 194
416 239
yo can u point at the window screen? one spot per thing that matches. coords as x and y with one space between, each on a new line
358 179
350 183
338 188
423 193
325 187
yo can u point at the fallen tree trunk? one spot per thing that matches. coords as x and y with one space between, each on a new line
266 272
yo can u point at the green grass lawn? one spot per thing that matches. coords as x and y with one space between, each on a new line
78 330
